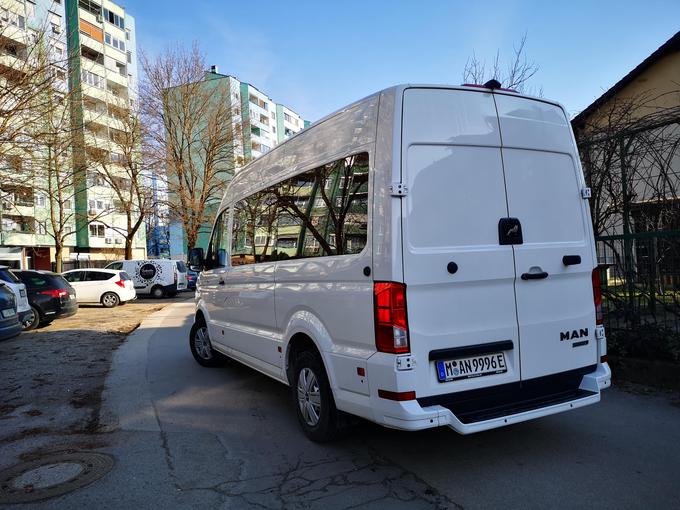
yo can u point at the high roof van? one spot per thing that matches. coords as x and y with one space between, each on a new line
422 258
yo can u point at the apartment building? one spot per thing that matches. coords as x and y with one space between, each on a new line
264 124
95 53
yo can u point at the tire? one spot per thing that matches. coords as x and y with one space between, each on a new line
319 418
34 323
201 347
157 292
110 300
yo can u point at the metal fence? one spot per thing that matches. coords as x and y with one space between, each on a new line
640 275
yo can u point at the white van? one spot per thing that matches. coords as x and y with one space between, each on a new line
422 258
155 277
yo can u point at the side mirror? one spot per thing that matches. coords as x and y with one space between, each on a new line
196 259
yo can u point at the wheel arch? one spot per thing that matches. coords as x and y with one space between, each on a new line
306 332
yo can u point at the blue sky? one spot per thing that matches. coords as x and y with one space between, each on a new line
318 56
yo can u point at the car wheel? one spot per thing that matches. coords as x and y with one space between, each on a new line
110 300
201 348
313 399
157 292
32 321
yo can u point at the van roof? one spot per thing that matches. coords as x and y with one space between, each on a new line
397 89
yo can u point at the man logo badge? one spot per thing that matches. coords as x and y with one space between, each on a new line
571 335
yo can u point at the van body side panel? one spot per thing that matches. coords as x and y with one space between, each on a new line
246 312
451 163
386 261
543 179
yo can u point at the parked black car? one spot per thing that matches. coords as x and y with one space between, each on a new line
9 319
50 296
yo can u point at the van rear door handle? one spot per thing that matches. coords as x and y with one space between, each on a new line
221 282
534 276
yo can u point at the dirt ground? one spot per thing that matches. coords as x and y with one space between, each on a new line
51 379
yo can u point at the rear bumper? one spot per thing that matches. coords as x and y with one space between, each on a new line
465 418
9 329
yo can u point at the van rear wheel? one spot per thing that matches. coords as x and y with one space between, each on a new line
313 399
157 292
201 348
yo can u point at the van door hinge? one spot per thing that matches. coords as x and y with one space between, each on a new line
585 193
398 189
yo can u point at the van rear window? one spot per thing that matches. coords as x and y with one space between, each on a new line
181 267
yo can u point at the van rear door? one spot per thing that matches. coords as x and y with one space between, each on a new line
459 279
543 180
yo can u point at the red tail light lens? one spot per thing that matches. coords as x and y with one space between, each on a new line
391 325
597 297
55 293
121 283
175 276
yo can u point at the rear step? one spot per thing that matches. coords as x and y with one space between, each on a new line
487 403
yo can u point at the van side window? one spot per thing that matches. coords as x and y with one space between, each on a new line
254 229
319 213
216 256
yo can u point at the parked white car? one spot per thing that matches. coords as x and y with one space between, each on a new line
155 277
24 309
105 286
421 258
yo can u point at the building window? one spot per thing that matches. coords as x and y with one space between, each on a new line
114 42
90 6
40 230
287 117
97 230
30 9
114 19
93 79
40 200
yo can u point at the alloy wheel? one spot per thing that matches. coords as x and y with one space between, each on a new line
202 343
309 396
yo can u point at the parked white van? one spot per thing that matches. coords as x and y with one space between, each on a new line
155 277
422 258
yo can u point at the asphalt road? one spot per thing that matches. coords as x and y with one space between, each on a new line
190 437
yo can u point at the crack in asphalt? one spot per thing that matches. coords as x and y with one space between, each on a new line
335 482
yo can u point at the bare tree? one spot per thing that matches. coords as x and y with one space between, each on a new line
630 150
120 164
192 134
516 74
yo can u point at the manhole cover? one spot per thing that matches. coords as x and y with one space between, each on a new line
52 476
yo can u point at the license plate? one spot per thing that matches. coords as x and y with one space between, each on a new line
8 312
474 366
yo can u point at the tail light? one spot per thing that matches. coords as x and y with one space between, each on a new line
55 293
175 275
391 326
597 297
121 283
